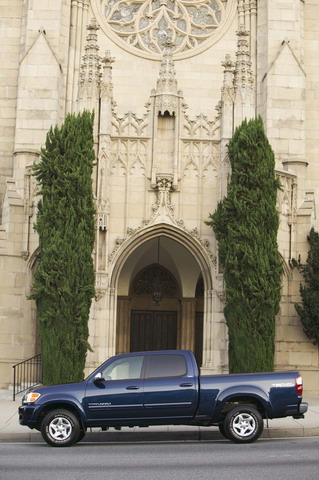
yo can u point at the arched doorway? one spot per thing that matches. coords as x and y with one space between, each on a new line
159 310
156 327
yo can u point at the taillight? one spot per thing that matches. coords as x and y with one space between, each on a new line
299 385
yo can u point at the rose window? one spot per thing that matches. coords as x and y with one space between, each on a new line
147 26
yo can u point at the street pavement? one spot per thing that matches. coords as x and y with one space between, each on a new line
12 431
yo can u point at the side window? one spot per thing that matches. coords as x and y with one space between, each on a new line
124 368
166 366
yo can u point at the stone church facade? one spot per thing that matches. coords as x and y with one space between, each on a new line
168 81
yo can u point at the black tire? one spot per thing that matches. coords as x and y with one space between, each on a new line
60 428
243 424
222 429
81 436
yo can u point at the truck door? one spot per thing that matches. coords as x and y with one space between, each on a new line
120 394
170 388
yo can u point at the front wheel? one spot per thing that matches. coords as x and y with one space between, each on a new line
243 424
60 428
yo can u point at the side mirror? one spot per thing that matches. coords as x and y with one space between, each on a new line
98 378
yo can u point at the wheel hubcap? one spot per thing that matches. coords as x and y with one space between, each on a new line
60 428
244 424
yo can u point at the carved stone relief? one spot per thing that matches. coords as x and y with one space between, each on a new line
101 285
200 159
128 157
130 125
286 197
163 211
200 127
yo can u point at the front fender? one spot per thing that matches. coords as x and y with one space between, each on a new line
244 394
53 401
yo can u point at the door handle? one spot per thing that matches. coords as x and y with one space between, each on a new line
132 387
186 385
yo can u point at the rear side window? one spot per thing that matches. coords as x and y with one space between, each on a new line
166 366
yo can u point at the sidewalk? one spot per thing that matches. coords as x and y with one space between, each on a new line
12 431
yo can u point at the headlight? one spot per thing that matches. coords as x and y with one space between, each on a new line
31 397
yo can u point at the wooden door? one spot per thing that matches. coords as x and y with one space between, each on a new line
153 330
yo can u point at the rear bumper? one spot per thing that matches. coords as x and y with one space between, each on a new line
303 407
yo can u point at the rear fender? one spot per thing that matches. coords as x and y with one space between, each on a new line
244 394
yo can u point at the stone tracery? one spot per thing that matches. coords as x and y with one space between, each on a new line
147 25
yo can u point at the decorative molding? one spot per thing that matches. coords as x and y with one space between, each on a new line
102 221
285 43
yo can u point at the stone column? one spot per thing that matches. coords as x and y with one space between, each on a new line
212 336
104 335
123 325
188 323
79 12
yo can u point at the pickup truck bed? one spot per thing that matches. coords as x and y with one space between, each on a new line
161 388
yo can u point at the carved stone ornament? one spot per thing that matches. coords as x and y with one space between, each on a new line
286 196
101 284
25 254
145 26
221 295
163 212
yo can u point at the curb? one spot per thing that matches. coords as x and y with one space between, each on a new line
159 437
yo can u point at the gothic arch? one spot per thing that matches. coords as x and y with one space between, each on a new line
182 237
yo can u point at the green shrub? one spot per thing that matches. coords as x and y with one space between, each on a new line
64 280
246 224
309 308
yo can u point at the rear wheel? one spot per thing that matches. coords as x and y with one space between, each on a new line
60 428
243 424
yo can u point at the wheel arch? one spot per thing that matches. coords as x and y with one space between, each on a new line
247 396
62 405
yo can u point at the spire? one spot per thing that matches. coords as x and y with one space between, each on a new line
106 83
166 92
243 80
227 99
90 73
228 84
243 73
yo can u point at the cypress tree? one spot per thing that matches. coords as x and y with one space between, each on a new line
64 280
246 224
309 309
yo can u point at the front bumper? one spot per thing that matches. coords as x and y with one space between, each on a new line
27 415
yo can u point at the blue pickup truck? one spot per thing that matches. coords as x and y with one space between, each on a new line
161 388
